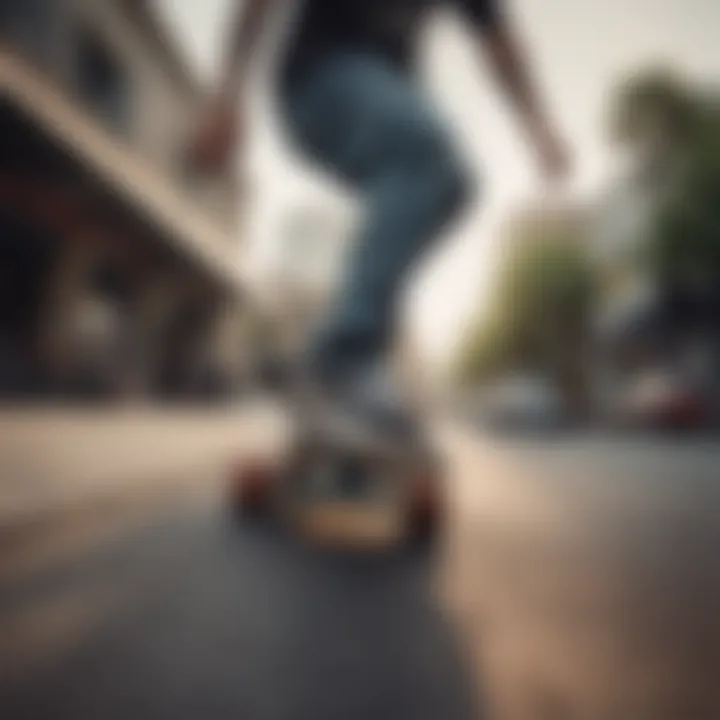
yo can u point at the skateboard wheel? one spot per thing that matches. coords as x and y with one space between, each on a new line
425 508
251 488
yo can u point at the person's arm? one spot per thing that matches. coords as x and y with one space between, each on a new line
216 137
512 68
244 31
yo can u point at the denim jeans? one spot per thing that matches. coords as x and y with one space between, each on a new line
369 125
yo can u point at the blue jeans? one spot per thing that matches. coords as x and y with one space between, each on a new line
369 125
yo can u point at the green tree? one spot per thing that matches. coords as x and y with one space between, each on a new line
653 112
673 130
539 315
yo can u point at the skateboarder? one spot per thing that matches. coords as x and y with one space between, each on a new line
350 101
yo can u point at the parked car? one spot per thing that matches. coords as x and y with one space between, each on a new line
662 399
524 404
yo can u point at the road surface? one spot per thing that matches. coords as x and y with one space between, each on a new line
579 580
584 572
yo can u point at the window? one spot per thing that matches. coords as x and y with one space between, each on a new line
102 82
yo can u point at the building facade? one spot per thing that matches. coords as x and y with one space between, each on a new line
311 240
120 271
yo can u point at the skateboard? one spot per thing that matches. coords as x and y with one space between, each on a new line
341 489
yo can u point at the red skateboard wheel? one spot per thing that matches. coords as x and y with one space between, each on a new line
425 506
252 486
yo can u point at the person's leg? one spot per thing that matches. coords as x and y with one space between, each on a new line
370 125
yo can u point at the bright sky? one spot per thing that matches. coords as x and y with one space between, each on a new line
581 48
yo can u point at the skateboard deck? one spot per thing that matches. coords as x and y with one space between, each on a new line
340 487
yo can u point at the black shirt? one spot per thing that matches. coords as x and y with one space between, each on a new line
389 27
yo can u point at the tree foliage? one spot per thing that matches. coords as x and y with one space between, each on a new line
673 128
540 312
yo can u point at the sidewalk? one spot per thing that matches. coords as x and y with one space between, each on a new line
56 460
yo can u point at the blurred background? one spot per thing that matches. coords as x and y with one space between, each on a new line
567 345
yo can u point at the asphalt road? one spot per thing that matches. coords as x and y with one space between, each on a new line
579 580
198 618
585 572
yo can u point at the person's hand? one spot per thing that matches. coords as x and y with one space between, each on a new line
553 155
215 141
